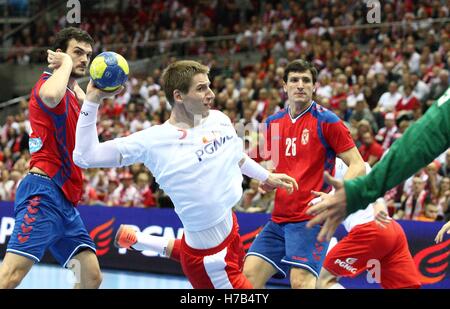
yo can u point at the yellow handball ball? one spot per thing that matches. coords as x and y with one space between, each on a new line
109 71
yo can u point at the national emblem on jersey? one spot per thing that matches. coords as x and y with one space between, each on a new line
305 136
34 144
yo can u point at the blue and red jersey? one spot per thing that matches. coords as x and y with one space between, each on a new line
52 140
303 148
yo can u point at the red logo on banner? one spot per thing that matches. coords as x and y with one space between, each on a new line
247 239
432 262
102 236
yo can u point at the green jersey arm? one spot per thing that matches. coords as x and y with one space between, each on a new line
424 141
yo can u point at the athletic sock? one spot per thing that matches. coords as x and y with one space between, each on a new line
149 242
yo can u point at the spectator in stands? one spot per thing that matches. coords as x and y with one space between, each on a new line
370 150
438 86
420 89
403 124
126 192
362 112
445 166
324 89
408 102
413 205
363 126
144 197
430 212
380 88
386 135
389 99
250 198
433 178
355 96
443 198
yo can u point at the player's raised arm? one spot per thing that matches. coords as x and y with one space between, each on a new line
89 152
54 88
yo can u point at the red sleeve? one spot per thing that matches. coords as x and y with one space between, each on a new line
58 109
338 136
38 85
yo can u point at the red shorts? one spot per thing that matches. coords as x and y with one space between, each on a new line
367 245
216 268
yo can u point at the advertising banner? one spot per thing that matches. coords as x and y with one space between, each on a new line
102 223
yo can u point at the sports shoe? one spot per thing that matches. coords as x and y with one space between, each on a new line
125 237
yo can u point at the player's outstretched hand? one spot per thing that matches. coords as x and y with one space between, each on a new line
330 211
440 234
56 59
276 180
264 188
381 215
96 95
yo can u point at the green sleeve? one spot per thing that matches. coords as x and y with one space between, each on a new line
422 143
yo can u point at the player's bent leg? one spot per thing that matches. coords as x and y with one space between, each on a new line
302 279
13 269
88 275
258 271
304 254
129 238
327 281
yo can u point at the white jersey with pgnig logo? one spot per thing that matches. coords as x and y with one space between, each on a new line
361 216
197 167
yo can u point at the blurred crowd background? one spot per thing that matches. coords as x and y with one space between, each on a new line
378 78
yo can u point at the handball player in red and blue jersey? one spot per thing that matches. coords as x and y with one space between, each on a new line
303 141
44 208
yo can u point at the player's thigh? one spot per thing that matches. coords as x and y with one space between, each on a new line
326 279
268 246
302 278
15 265
37 219
75 236
258 271
303 251
87 260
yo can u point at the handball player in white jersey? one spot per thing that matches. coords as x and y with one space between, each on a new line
372 235
198 160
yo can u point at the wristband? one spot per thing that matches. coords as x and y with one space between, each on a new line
254 170
89 113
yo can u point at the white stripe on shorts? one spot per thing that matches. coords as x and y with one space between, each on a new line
215 268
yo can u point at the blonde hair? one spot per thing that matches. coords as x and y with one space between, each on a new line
179 75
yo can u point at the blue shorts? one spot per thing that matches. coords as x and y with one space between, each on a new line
46 219
289 245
